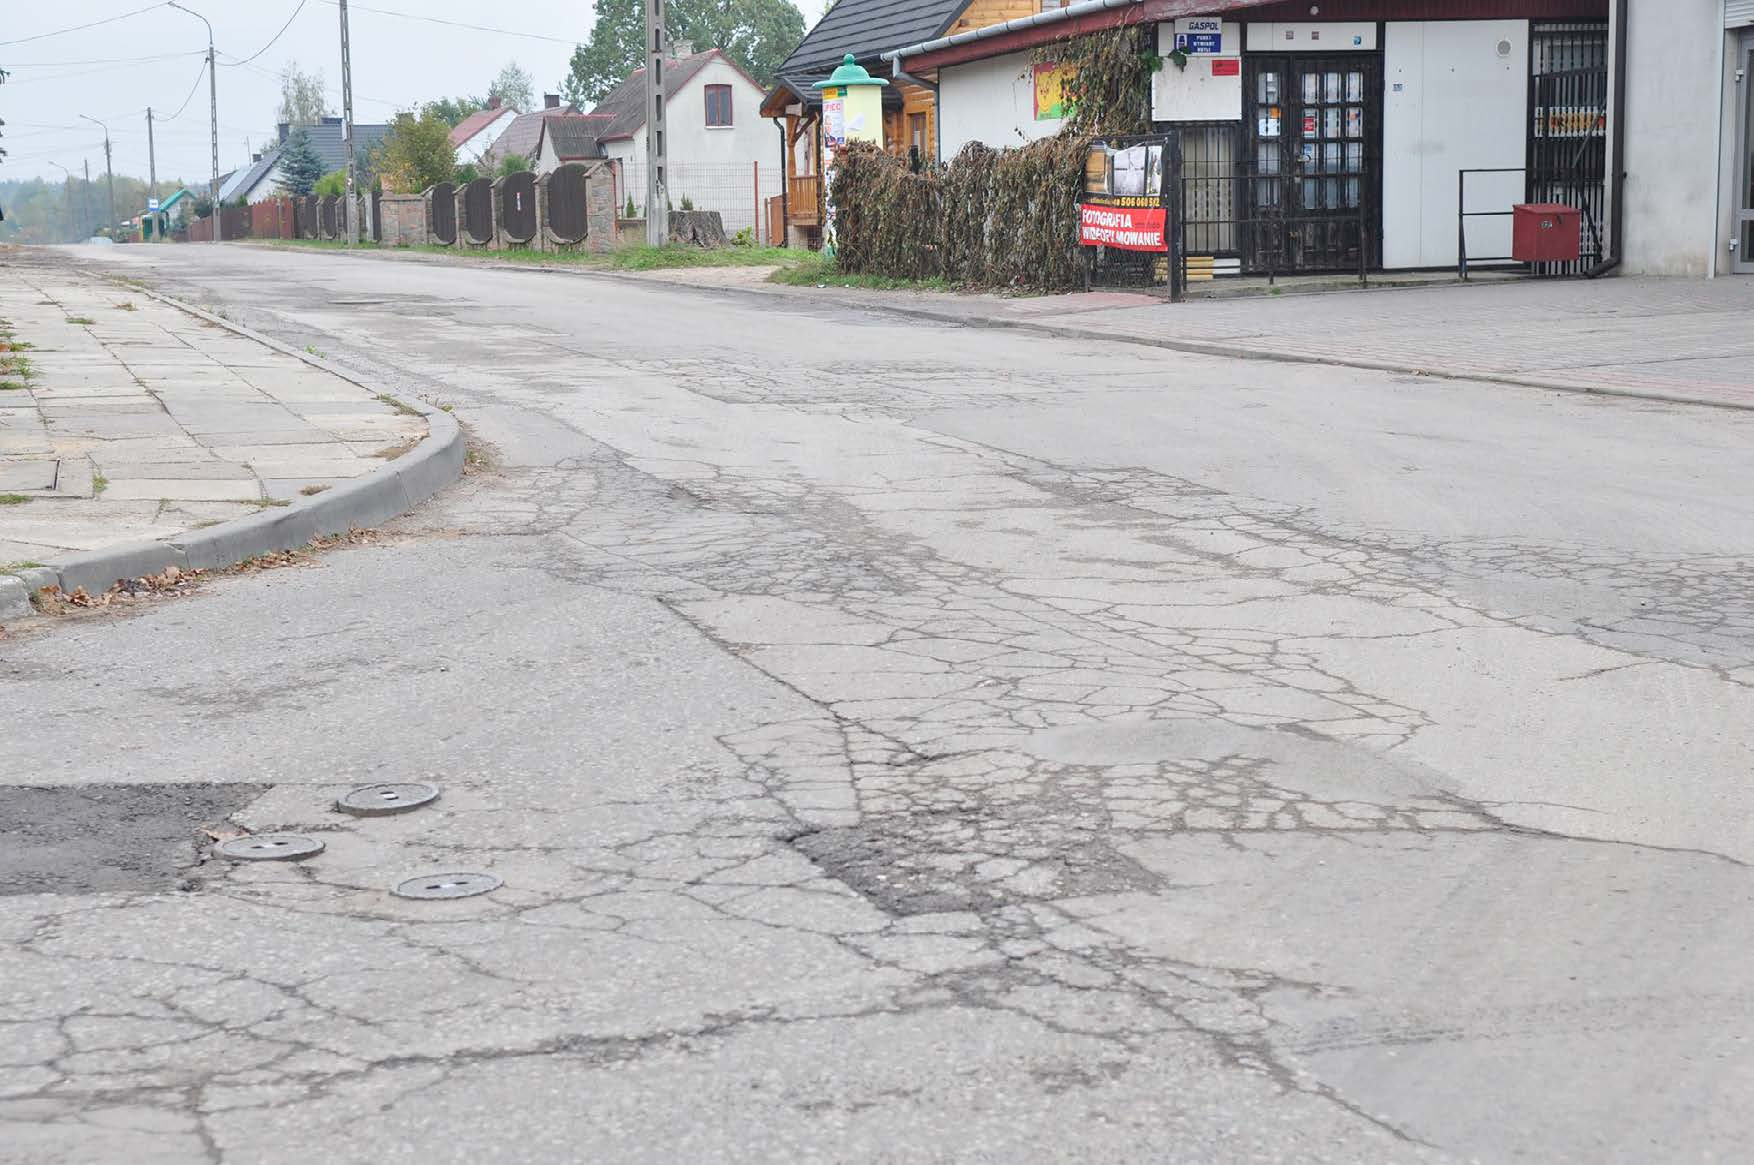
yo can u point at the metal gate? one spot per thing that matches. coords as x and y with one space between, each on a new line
1313 199
517 206
1568 130
442 199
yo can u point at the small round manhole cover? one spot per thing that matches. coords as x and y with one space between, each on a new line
383 800
448 886
269 847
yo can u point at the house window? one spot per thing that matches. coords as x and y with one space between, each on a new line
718 105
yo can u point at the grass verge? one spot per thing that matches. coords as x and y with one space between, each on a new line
622 259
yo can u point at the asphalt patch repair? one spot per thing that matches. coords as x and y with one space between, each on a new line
94 839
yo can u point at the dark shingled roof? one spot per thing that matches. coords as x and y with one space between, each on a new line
626 103
865 28
522 137
326 140
575 136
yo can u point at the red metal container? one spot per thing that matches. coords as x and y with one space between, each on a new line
1545 232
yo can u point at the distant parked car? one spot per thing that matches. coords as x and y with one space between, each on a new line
101 241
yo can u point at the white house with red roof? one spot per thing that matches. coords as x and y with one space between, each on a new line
476 134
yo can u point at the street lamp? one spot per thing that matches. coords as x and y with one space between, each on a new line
108 169
213 109
72 223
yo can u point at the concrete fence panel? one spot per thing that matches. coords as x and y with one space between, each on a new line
441 219
517 208
475 212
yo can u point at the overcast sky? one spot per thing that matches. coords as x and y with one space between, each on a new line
397 62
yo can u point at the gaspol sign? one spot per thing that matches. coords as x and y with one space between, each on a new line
1200 35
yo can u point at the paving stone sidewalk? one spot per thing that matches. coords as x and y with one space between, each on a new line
1680 339
139 420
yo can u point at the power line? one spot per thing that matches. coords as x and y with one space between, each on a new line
99 61
200 74
270 44
459 24
82 27
90 72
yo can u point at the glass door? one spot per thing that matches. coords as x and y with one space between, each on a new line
1315 134
1742 256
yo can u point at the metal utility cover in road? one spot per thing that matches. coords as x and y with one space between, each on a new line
447 886
269 847
384 800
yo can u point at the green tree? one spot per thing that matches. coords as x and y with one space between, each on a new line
416 153
452 110
300 167
302 100
513 87
512 164
334 182
757 34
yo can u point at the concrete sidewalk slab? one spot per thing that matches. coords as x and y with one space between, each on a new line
150 434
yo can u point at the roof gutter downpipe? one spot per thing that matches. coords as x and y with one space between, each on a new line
901 74
1617 148
1052 16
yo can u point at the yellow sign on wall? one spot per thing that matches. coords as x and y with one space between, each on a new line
1050 91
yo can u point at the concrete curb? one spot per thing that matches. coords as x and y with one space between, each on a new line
366 501
1036 327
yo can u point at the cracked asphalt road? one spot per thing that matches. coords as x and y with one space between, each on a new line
911 743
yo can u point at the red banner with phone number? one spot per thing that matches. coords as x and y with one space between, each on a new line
1125 228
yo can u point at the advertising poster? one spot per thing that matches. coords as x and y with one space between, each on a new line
834 119
1122 205
1050 92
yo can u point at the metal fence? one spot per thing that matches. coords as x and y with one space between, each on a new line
738 192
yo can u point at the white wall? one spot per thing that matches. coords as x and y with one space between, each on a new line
990 101
1675 167
1207 88
476 146
1451 101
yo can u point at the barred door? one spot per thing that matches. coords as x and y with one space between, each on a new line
1315 135
1568 130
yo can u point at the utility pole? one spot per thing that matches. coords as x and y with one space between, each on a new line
347 127
213 110
657 212
151 160
108 169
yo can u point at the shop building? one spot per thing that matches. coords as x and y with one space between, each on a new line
1397 134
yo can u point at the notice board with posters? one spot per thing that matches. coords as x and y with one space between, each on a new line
1123 205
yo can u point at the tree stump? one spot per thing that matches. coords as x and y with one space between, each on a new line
698 228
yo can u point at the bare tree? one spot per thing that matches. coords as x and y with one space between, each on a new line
513 87
302 100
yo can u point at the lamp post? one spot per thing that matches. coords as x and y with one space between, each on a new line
72 223
109 169
213 111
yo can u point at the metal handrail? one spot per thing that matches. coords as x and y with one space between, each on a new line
1463 214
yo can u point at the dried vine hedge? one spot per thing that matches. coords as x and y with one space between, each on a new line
991 218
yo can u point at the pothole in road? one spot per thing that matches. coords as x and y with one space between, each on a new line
93 839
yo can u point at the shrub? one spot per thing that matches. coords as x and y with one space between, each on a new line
991 218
